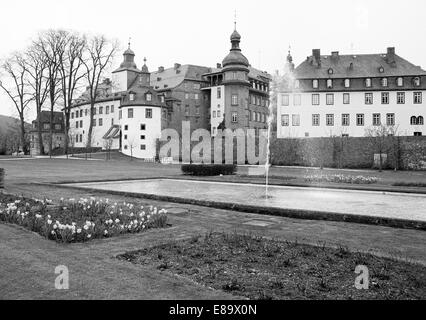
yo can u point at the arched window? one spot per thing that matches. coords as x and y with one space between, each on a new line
368 82
347 83
329 83
400 82
413 120
416 81
420 120
384 82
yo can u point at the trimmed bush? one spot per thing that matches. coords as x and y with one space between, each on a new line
209 169
1 178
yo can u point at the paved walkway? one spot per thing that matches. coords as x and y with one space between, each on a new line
27 260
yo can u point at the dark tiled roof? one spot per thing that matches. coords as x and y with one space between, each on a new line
58 117
364 65
171 77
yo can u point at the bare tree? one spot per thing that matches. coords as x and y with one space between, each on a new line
108 142
36 64
15 71
99 53
377 139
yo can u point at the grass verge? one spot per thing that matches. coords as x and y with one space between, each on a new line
260 269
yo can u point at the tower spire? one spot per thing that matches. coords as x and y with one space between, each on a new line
130 39
235 20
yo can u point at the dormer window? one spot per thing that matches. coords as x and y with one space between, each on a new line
381 70
368 82
132 97
296 84
400 82
329 83
384 82
330 71
315 84
148 97
416 82
347 83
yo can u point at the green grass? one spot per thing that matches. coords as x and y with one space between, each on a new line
410 184
257 268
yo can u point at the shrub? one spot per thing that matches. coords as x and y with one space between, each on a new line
209 169
340 178
1 178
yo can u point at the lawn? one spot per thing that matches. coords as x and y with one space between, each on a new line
258 268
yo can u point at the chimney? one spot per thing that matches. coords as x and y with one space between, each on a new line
390 56
160 69
177 66
218 65
316 54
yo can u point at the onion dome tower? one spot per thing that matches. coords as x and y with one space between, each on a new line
128 71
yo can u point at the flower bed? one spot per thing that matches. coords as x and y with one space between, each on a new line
80 220
340 178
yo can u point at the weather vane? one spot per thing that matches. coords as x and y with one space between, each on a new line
130 39
235 19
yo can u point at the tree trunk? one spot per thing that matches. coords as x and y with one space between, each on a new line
24 149
51 132
40 135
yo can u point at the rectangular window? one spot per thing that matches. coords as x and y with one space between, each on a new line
101 110
315 119
187 110
330 99
197 110
143 127
94 123
86 112
295 120
345 119
385 98
285 120
390 119
58 127
368 98
126 127
329 119
130 113
143 147
285 99
376 119
72 115
76 124
142 137
315 99
234 101
234 117
417 99
120 114
107 110
186 96
219 93
214 114
297 100
196 96
400 97
346 98
125 137
112 109
81 113
100 122
148 113
360 119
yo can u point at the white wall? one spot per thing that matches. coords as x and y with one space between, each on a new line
215 101
119 80
402 112
132 145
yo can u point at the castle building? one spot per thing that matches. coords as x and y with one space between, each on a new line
133 108
349 95
58 132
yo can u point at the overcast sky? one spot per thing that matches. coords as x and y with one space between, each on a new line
197 31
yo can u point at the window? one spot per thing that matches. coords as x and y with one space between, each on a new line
297 100
214 114
187 110
360 119
107 110
329 83
420 120
58 127
219 93
400 82
417 98
186 96
143 147
285 100
94 123
76 138
413 120
400 97
120 114
346 98
86 112
132 97
72 115
368 82
285 120
329 119
416 82
81 123
390 119
148 113
376 119
142 137
101 110
347 83
345 119
196 86
417 134
196 96
125 137
143 127
385 98
100 122
330 99
234 117
76 124
296 84
130 113
315 99
295 119
234 101
148 97
94 110
81 113
112 121
315 84
384 82
315 119
112 109
368 98
125 147
126 127
162 99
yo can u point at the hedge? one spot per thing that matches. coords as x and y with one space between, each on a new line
1 178
209 169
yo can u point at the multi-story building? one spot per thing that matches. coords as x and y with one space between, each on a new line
133 108
58 132
330 95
